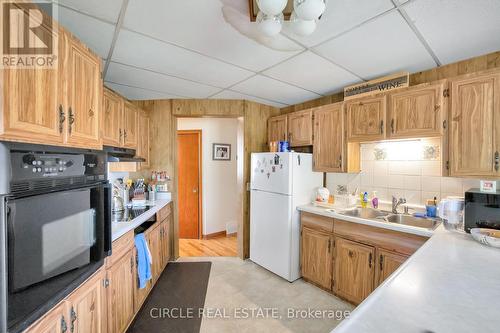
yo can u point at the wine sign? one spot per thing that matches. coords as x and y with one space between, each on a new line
384 84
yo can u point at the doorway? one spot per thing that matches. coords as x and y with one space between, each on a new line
190 185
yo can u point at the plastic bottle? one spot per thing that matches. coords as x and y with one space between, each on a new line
364 202
375 200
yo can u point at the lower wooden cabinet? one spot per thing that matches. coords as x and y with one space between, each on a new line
387 263
316 257
165 240
155 249
56 321
354 270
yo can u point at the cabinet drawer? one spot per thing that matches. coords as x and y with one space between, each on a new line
120 247
383 238
316 222
164 213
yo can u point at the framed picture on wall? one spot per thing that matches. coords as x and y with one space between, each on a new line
221 152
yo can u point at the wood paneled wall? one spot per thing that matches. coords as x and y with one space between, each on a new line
164 114
488 61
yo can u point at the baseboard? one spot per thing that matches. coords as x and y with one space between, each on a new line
218 234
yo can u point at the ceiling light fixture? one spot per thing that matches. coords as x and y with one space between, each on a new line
303 20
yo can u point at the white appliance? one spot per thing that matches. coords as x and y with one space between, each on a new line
279 183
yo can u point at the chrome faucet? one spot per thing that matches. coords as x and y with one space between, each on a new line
396 203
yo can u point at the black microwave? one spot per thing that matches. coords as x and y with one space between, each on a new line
482 210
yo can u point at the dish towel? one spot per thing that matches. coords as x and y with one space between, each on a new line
144 260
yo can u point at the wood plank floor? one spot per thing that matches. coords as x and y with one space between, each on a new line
215 247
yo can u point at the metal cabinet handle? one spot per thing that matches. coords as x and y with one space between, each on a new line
131 264
64 326
370 261
350 254
73 319
124 133
329 245
91 113
497 161
71 119
381 262
62 118
340 160
381 127
392 126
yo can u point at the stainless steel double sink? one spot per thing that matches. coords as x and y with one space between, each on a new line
389 217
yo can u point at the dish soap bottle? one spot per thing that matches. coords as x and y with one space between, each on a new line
375 200
364 201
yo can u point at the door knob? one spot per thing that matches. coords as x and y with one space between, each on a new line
195 190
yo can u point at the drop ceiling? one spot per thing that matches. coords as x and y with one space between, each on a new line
155 49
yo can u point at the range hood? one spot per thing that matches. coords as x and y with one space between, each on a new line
116 154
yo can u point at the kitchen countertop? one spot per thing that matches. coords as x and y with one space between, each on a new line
451 284
119 229
380 224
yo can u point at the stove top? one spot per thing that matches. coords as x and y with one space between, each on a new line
129 214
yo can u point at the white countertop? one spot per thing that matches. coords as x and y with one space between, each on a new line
451 284
119 229
380 224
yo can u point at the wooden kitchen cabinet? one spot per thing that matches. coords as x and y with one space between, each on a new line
139 294
329 139
475 125
130 133
300 128
316 257
56 321
417 112
153 238
121 278
143 138
387 263
83 94
112 129
165 241
277 129
354 270
366 119
87 312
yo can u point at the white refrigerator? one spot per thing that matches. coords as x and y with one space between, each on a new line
279 183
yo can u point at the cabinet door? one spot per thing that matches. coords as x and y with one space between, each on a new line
328 150
300 128
387 263
475 125
416 112
87 313
165 241
143 138
139 294
354 270
84 95
120 297
56 321
31 106
365 119
155 249
277 129
130 126
112 132
316 257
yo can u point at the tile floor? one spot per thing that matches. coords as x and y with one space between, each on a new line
236 286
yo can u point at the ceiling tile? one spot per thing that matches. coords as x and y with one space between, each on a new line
140 78
133 93
312 72
108 10
141 51
97 34
457 30
273 90
382 46
342 15
228 94
200 25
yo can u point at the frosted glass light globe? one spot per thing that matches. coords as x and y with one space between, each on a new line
309 9
302 27
272 7
269 25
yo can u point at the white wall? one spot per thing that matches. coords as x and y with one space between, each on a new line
221 194
404 171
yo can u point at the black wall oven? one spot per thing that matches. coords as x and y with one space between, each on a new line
56 227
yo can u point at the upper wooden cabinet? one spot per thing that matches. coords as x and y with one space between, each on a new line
277 129
354 270
83 94
300 131
475 125
329 138
417 112
143 138
316 258
112 129
366 119
130 133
